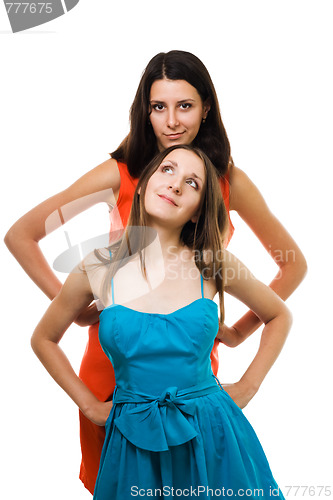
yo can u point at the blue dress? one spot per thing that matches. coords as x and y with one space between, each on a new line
173 430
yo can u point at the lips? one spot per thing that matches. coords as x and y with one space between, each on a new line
174 136
167 199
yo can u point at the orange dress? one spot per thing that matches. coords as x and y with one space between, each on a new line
96 370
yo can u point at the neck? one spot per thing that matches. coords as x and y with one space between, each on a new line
167 243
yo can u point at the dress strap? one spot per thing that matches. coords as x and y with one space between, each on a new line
202 290
218 382
112 286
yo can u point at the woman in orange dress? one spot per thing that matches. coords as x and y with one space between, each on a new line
175 103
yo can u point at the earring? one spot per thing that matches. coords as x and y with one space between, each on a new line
204 120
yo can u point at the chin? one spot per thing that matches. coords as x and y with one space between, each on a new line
175 142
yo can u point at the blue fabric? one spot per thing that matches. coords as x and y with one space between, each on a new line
172 425
160 421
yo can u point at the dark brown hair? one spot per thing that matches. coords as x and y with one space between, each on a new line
140 146
204 237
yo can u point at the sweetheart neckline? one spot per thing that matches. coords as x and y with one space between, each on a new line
159 314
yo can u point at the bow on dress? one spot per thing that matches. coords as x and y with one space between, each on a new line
159 421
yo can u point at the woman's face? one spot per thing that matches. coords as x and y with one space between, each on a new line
174 191
176 112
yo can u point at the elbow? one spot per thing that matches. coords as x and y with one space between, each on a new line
9 238
282 318
297 267
232 343
18 235
14 239
35 343
238 338
300 266
303 267
287 320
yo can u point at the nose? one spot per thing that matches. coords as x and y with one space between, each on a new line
175 185
172 119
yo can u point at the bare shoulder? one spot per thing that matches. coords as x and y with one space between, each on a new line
95 267
103 178
77 284
109 172
237 178
234 270
243 191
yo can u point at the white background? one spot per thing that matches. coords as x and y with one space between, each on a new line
66 89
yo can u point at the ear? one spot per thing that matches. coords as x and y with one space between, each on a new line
195 218
139 191
206 108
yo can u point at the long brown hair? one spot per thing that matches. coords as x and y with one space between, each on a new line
140 146
204 237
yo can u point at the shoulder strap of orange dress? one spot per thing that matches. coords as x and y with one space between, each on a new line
120 212
126 192
225 189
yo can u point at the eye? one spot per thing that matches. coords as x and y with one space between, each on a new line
167 169
158 107
192 183
185 105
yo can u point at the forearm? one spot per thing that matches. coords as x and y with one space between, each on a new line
60 369
73 297
284 284
29 255
272 340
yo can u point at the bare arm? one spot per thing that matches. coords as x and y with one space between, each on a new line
23 237
271 310
73 296
247 200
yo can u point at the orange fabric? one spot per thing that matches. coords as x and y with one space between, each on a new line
96 370
225 190
97 373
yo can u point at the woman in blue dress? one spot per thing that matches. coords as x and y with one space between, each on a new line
171 429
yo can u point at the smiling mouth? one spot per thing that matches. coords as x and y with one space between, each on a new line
174 136
169 200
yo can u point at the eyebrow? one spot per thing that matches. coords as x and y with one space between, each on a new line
178 102
175 164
